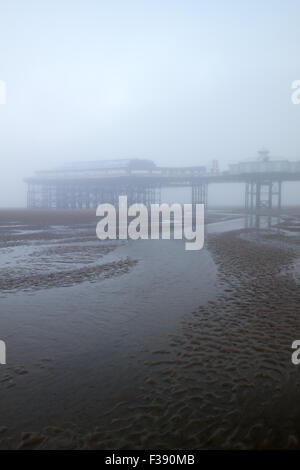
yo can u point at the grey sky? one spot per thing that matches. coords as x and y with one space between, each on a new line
180 82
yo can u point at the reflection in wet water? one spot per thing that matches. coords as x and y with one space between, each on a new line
261 221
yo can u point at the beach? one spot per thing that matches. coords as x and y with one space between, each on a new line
123 345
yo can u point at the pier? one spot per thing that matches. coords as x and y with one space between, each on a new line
85 185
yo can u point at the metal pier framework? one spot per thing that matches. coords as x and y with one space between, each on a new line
85 185
78 195
262 194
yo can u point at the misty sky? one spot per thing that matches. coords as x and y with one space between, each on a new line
181 82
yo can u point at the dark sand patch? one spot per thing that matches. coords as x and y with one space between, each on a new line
227 380
55 256
17 281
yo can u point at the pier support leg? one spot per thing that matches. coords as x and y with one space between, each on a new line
199 194
263 194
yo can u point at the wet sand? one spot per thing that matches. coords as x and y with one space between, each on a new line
55 253
225 379
64 265
225 382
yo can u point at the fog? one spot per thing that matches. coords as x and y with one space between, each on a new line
178 82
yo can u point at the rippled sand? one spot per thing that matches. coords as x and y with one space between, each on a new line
226 379
42 257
